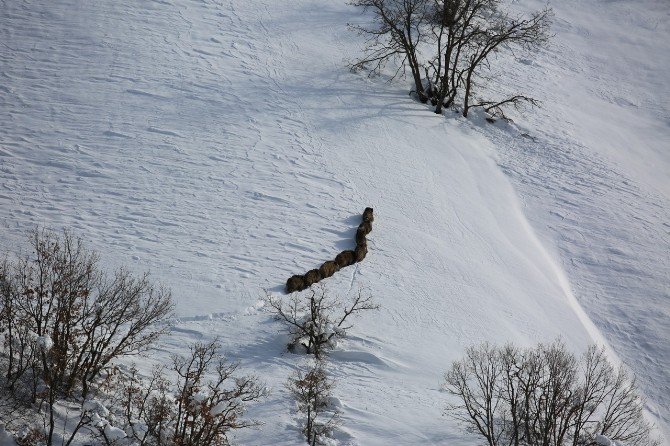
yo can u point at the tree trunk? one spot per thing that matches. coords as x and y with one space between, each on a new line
466 100
416 74
419 89
52 422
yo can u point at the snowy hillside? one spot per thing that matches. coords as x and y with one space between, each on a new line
224 146
596 177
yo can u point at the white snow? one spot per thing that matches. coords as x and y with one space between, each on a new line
199 397
224 146
114 433
94 406
97 420
45 343
596 177
218 408
5 438
603 440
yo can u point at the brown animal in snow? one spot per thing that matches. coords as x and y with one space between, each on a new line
312 277
295 283
367 215
365 227
328 269
361 252
346 258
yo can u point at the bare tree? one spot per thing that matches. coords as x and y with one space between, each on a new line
399 30
545 396
459 38
313 320
474 380
312 391
64 321
490 30
207 410
200 407
13 415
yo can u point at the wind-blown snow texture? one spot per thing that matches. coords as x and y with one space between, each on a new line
596 174
224 146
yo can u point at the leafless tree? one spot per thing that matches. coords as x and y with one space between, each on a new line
545 396
313 320
474 380
312 391
207 410
64 321
13 414
399 30
451 43
490 29
200 407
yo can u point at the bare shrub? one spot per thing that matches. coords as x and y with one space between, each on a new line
545 396
312 321
312 392
31 437
13 416
201 406
63 321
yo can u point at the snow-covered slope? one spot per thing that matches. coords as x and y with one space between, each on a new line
224 146
595 177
